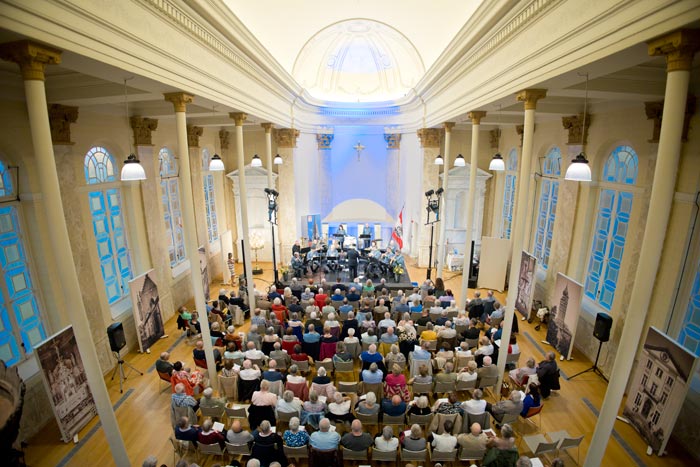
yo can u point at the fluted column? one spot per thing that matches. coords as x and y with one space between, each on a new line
530 98
471 201
679 48
446 169
430 148
180 101
286 139
32 59
239 118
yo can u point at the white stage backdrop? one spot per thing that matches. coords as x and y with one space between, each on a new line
226 247
64 376
493 263
564 312
659 386
146 308
526 284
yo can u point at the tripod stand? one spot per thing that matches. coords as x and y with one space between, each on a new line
120 368
594 368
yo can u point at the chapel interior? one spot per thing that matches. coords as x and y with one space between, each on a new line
342 109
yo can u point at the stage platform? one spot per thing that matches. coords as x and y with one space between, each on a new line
331 277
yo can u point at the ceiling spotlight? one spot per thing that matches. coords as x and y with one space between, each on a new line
459 161
278 160
132 169
256 162
497 164
579 170
216 164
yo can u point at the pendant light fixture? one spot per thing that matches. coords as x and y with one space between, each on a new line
439 160
216 164
132 169
579 170
256 162
278 160
497 163
459 161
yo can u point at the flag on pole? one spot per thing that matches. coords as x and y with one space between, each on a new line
397 234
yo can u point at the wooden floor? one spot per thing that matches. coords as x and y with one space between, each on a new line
143 411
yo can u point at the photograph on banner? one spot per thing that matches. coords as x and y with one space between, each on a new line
563 314
229 266
146 307
312 226
203 267
659 386
66 382
526 284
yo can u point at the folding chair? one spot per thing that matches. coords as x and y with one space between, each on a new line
229 386
163 377
483 419
567 442
422 388
465 385
349 455
532 412
238 450
489 382
328 365
407 455
471 456
236 412
443 456
286 416
383 456
303 366
215 413
376 388
512 359
301 452
348 388
443 387
394 420
180 448
207 450
538 444
509 418
368 419
345 368
422 420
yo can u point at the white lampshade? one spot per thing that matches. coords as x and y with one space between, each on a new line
459 161
278 160
439 160
497 164
579 170
216 164
132 169
256 162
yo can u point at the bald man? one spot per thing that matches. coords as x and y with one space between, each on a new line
474 441
356 439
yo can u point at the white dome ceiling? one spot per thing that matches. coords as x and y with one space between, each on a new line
358 60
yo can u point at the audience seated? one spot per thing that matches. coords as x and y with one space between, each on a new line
386 441
208 435
324 439
474 441
532 399
186 432
267 445
368 405
295 437
513 405
501 450
468 373
395 384
476 405
394 406
419 406
356 439
339 409
488 370
237 435
445 442
163 365
372 375
288 403
209 401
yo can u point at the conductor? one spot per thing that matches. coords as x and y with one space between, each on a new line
353 257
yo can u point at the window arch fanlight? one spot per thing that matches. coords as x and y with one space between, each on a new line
99 166
549 195
6 188
108 224
168 163
509 193
611 227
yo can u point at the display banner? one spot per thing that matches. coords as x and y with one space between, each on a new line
526 284
146 307
563 314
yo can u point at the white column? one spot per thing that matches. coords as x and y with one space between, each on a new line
530 97
180 101
445 170
286 139
679 48
32 59
471 201
239 118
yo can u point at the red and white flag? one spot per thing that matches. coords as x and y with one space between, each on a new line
397 234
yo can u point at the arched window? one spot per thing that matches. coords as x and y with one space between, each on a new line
509 193
170 190
548 205
209 198
6 187
612 224
21 326
689 337
108 224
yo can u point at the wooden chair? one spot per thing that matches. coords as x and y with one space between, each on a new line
376 388
462 361
483 419
538 444
353 349
286 416
407 455
442 387
180 448
368 419
236 412
281 363
301 452
399 420
384 456
471 456
303 366
472 343
422 388
318 457
208 450
328 365
345 368
422 420
348 388
238 450
215 413
509 418
567 442
443 456
465 385
229 386
365 346
163 377
489 382
349 455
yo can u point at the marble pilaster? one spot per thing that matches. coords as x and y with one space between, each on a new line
287 217
430 139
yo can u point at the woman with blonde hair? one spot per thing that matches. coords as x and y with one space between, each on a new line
395 384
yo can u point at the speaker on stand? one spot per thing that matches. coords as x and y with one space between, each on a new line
117 341
601 331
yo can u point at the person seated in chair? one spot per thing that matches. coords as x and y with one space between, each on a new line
450 406
186 432
209 401
294 437
532 399
372 375
368 406
413 440
357 439
180 399
163 365
386 442
394 406
474 441
208 435
518 375
324 439
272 374
446 441
511 406
198 354
237 435
502 450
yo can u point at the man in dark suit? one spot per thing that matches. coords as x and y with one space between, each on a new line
353 259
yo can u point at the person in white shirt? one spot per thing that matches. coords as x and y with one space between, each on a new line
387 441
254 354
463 350
476 405
351 339
294 377
469 373
446 442
447 332
485 347
339 409
288 403
414 296
249 371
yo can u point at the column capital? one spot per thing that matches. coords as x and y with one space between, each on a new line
520 130
267 127
577 134
679 47
179 100
476 116
193 134
60 119
286 137
32 57
324 140
238 117
143 127
393 140
448 126
655 111
429 137
530 97
224 139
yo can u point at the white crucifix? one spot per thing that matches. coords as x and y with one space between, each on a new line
358 147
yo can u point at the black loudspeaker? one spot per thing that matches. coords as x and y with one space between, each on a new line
117 341
601 330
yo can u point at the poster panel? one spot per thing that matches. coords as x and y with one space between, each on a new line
312 226
660 383
563 314
66 382
492 273
526 284
146 308
226 240
204 268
